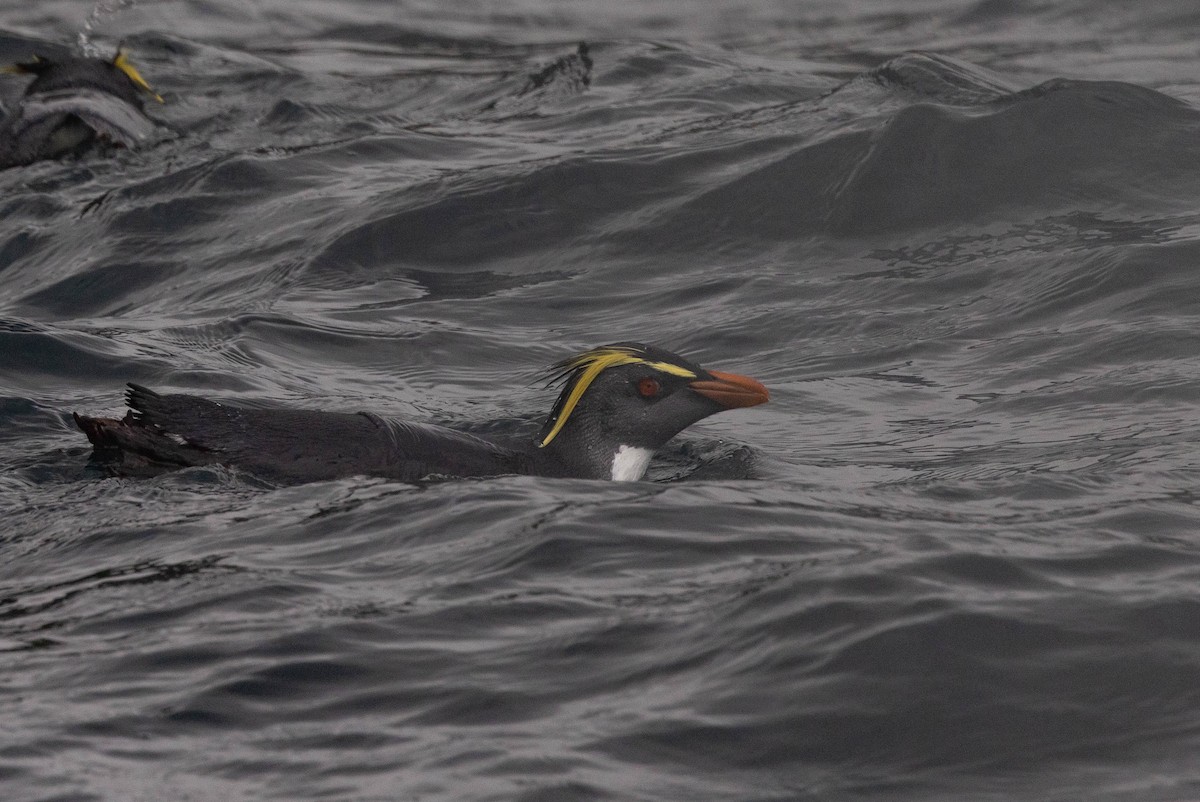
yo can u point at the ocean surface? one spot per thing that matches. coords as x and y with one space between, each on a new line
956 557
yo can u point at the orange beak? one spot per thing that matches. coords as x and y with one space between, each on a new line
731 390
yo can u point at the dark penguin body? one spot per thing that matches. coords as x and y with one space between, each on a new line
72 104
617 406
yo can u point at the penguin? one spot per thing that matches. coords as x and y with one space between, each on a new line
618 404
72 104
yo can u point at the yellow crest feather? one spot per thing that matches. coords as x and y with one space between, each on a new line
591 364
26 68
122 63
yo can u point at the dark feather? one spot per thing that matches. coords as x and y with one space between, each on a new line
289 444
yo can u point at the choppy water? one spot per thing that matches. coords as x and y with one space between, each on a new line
956 557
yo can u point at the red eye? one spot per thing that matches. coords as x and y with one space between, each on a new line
649 387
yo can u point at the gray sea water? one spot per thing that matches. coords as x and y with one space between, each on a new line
956 557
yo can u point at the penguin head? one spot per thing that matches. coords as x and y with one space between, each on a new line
116 76
619 403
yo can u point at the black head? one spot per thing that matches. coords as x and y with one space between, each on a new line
636 396
116 76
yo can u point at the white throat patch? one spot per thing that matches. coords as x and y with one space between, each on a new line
629 463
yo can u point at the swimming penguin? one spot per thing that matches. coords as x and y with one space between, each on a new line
72 103
619 403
